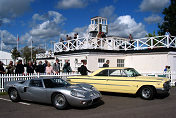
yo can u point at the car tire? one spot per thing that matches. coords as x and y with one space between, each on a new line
147 92
14 95
59 101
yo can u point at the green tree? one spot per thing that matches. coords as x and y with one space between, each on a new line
15 53
169 20
26 53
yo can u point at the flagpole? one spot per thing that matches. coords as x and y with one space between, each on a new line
17 41
1 40
31 48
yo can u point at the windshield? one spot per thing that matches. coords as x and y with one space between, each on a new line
131 72
55 82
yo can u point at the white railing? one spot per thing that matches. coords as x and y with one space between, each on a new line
115 43
45 55
172 76
15 77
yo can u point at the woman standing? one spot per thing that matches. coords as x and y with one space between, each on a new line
49 69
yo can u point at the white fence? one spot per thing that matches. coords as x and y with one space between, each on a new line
15 77
115 43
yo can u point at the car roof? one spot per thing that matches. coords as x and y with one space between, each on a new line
100 69
45 78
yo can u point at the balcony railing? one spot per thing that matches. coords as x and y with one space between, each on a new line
115 43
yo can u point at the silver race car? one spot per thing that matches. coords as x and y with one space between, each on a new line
53 91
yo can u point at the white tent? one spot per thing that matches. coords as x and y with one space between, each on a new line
5 57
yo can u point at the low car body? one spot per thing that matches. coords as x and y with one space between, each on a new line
124 80
54 91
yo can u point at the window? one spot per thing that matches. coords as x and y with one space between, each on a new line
120 62
117 73
55 82
36 83
101 61
102 73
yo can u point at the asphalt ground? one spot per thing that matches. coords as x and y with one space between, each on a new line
113 105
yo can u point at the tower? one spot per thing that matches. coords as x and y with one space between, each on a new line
98 24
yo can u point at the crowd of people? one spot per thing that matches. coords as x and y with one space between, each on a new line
31 67
46 67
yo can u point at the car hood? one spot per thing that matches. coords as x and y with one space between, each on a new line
152 78
81 87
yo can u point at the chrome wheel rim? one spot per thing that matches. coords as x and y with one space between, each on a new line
146 93
13 94
59 100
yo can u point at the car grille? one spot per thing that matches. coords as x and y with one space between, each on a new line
167 85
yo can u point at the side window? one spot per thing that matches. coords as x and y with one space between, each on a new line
117 73
102 73
36 83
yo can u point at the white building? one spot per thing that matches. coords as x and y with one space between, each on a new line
5 57
146 55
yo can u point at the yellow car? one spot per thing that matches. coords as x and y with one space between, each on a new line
124 80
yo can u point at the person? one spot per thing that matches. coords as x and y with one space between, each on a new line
83 69
19 67
167 71
2 71
103 35
131 40
66 67
40 68
10 68
49 68
56 66
30 67
45 65
106 64
167 33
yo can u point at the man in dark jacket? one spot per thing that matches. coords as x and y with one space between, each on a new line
83 69
106 64
2 71
30 67
19 67
40 68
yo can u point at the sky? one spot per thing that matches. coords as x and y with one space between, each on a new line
49 20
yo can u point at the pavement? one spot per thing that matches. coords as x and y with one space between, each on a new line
112 105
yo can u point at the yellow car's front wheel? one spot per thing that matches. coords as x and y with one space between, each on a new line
147 92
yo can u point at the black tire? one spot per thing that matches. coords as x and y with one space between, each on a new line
147 92
59 101
14 95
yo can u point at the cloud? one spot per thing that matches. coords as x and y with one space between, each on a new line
67 4
13 8
108 12
9 40
125 25
153 19
10 9
4 21
153 5
50 26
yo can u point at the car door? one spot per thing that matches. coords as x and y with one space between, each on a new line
100 80
118 81
35 91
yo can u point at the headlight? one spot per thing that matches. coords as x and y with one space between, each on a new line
93 88
77 94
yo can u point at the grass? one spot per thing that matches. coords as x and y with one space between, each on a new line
3 93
